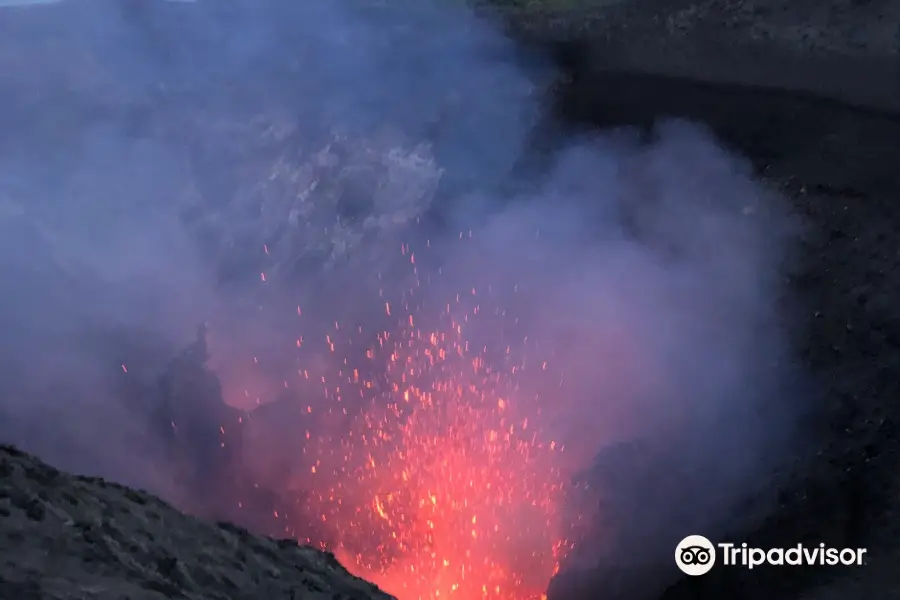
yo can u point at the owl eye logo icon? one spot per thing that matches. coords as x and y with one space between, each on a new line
695 555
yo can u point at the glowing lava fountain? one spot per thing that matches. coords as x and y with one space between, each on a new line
427 465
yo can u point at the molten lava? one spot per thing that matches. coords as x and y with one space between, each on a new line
427 465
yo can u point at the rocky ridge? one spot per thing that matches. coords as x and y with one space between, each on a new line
86 538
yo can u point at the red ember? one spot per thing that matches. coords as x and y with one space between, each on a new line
430 471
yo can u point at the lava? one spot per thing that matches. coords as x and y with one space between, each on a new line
426 465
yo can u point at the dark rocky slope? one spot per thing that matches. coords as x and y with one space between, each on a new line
838 165
75 537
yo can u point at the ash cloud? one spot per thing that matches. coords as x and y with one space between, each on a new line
155 165
653 273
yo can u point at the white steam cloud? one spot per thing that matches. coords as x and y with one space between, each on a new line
137 137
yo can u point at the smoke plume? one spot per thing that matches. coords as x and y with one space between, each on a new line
268 169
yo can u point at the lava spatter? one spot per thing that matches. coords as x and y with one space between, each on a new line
428 468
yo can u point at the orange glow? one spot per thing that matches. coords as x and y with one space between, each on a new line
429 466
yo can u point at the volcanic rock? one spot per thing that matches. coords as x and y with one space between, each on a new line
79 537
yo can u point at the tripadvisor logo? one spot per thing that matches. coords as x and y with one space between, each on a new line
696 555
